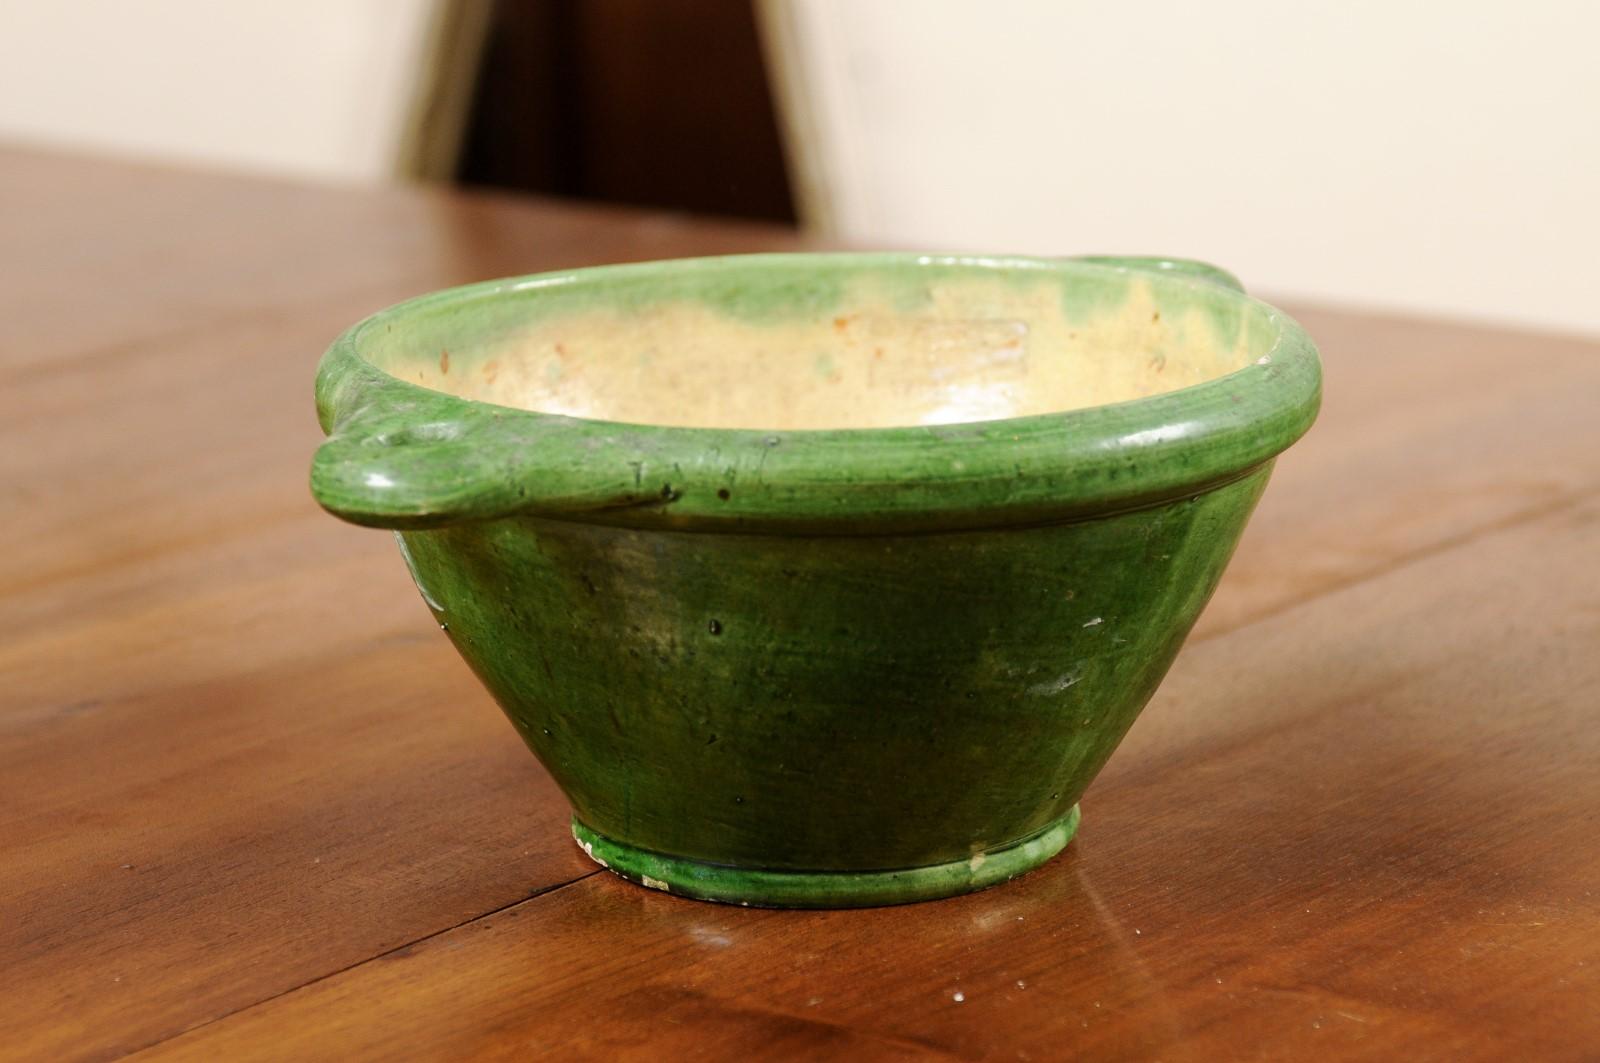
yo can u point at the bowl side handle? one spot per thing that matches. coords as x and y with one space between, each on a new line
402 457
399 479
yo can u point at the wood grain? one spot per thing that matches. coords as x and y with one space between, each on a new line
234 752
247 792
1282 863
1431 433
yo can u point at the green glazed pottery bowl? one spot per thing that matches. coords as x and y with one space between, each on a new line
818 580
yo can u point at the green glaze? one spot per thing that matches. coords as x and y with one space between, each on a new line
813 668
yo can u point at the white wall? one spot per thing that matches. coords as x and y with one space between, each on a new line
312 87
1411 153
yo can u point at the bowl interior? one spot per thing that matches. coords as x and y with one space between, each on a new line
824 342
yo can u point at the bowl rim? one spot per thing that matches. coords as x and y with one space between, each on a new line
402 455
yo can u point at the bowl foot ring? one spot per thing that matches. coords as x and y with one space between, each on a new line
754 887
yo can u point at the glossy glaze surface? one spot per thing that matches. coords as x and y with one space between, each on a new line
824 652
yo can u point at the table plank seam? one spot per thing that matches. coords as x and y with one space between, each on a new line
545 892
1384 569
1531 515
1465 544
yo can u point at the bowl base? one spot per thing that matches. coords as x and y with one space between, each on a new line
758 888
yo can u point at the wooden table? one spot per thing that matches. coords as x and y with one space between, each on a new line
253 806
